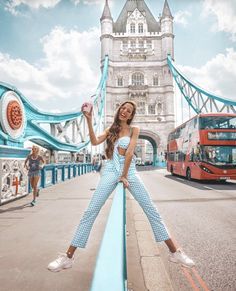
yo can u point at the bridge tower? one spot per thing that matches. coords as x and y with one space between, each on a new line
137 45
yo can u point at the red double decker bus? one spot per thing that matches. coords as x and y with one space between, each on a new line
204 148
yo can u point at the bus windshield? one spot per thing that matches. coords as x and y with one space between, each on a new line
218 122
219 155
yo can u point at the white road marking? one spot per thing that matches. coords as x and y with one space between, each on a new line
180 179
209 188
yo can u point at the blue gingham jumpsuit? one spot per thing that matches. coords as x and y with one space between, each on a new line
107 184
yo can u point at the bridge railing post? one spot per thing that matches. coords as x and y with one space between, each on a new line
74 170
110 271
43 177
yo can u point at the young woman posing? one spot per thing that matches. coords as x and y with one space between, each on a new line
121 140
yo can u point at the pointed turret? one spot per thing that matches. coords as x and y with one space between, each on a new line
166 10
129 7
106 31
106 12
166 21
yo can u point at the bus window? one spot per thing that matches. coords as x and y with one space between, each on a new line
219 155
171 157
216 122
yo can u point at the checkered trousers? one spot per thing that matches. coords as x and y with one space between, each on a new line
107 184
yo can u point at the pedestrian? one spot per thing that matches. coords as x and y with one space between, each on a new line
34 163
94 164
121 140
102 164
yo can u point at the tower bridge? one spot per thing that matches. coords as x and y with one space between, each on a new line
138 45
137 64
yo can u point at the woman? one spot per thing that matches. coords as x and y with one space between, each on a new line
121 140
34 163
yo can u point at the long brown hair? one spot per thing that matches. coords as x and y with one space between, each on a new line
115 129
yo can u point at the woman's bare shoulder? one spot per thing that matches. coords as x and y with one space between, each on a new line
135 129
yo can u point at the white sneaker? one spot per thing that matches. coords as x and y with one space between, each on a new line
62 262
181 258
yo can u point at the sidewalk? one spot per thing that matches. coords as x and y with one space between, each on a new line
31 237
146 271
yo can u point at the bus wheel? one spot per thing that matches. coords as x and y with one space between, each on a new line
223 181
188 174
172 170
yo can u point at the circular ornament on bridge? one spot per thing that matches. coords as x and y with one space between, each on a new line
12 115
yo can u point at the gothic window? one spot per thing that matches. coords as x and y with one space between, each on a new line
133 44
149 44
120 81
141 44
159 107
151 109
155 80
141 108
140 28
132 28
137 79
125 45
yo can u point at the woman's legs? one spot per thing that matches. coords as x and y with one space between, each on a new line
141 194
32 186
105 187
171 245
34 183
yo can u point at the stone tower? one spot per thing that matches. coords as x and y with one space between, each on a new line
137 45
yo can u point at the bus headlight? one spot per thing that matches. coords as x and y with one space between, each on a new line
205 169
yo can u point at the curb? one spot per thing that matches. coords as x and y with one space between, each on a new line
154 274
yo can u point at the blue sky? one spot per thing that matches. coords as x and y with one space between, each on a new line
50 49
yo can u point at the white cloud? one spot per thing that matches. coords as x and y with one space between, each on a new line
181 17
93 2
225 12
31 80
13 5
76 2
69 72
217 76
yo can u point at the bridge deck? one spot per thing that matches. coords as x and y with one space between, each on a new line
32 236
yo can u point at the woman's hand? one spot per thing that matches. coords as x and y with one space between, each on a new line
87 110
124 181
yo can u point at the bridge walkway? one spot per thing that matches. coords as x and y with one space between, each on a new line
32 236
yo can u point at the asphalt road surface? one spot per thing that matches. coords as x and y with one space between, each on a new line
201 218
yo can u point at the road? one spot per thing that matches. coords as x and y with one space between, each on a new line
202 220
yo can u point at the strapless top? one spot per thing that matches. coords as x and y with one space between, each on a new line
123 142
118 159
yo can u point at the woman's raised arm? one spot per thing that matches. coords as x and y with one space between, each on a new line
95 140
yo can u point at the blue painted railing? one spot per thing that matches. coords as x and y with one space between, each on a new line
111 271
55 173
200 100
33 118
